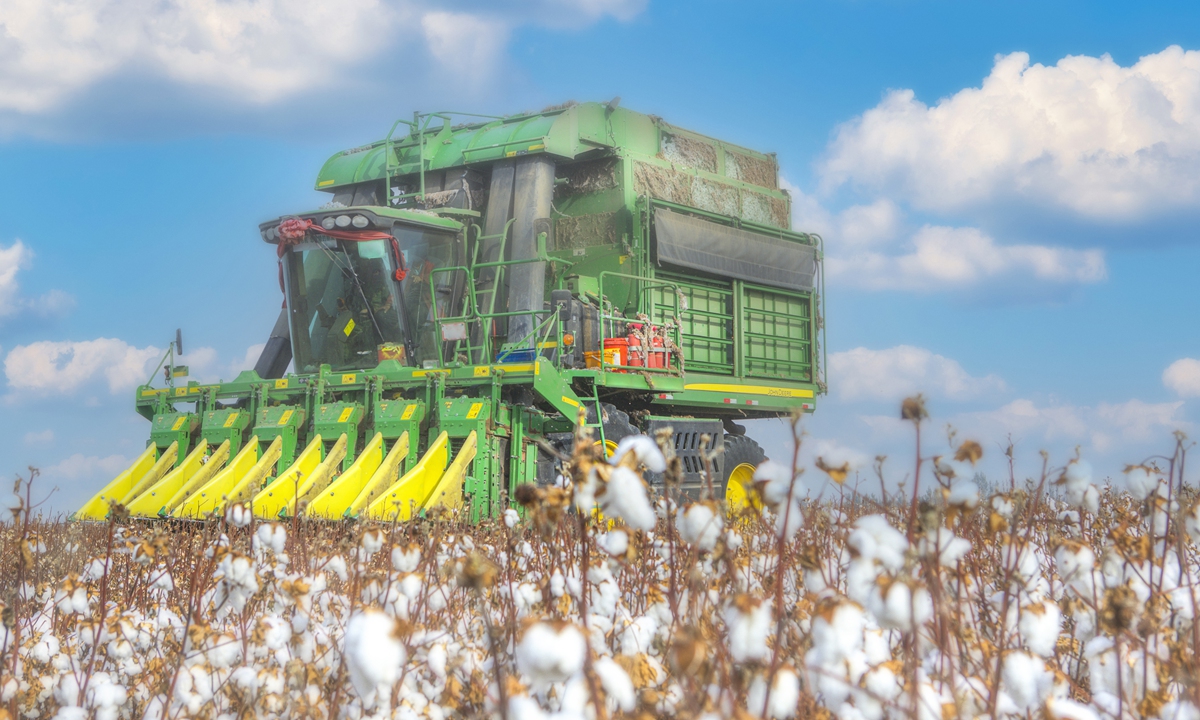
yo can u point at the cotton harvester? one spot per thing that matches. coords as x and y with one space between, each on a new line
469 292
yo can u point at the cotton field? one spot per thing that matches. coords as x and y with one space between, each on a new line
1061 596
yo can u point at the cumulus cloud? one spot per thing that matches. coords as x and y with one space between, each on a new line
39 438
1183 377
13 259
63 367
86 467
257 51
1085 135
940 258
894 373
1102 426
464 45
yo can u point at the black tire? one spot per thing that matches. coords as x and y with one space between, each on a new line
739 450
616 423
616 427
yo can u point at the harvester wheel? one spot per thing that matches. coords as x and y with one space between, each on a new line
741 458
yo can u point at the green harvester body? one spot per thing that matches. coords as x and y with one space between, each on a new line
495 282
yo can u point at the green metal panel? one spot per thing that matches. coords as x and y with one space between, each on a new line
393 418
284 422
777 334
333 419
706 324
170 427
222 425
459 417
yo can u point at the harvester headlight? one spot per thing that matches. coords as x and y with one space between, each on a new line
360 221
343 221
327 223
272 233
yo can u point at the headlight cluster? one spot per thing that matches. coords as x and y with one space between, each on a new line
345 221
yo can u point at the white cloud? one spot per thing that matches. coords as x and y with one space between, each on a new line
86 467
1183 377
465 45
894 373
39 438
1085 135
1105 427
940 258
258 51
13 259
64 367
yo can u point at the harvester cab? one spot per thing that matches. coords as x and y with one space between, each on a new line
470 292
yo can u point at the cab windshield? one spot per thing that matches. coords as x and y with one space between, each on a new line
347 311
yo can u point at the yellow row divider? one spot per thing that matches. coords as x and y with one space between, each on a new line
411 491
449 490
333 502
119 487
150 502
216 461
321 480
249 484
275 499
383 478
166 461
206 498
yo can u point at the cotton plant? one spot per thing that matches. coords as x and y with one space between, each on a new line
604 596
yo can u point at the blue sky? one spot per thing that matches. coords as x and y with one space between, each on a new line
1009 192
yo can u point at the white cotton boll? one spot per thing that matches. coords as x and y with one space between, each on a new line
373 654
874 538
270 536
1003 506
95 570
954 469
616 683
1074 563
789 518
1066 709
644 449
162 580
584 494
638 635
901 606
407 559
238 515
511 518
549 654
780 481
372 542
963 492
277 633
558 584
785 695
71 713
1141 482
945 545
523 707
1040 625
1174 710
1025 678
748 622
436 659
699 525
615 543
337 566
237 582
626 498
